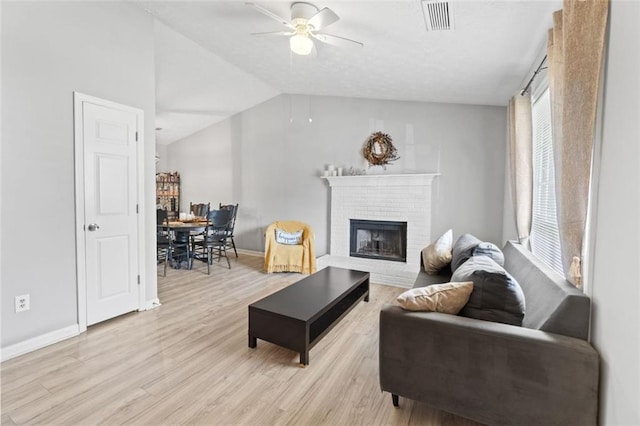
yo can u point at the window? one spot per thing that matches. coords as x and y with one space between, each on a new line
545 239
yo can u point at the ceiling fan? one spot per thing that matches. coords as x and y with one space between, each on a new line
306 21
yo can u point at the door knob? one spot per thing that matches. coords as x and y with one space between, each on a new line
93 227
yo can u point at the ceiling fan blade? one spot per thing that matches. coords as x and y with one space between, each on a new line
271 15
336 40
275 33
323 18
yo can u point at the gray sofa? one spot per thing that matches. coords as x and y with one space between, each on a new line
543 373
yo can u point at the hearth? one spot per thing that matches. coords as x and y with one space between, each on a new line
378 239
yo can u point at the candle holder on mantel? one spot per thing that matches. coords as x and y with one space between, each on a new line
332 170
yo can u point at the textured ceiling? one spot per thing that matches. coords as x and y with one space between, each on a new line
484 60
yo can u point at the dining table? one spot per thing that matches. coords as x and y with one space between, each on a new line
187 225
184 231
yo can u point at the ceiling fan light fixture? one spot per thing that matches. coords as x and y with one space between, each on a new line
304 26
301 44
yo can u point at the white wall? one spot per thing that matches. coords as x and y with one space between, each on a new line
50 50
270 158
204 162
615 286
161 164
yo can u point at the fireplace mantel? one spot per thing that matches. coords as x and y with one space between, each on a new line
413 179
392 197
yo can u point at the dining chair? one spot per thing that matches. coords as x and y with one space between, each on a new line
199 209
215 239
163 237
230 241
168 244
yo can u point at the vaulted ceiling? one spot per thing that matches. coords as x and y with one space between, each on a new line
483 60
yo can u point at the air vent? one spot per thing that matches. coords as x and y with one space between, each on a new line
437 15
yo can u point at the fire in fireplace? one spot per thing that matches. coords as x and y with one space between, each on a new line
378 239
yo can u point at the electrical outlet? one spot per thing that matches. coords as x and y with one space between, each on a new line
23 303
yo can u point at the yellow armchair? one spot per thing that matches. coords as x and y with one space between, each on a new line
290 257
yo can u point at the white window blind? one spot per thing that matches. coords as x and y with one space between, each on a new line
545 239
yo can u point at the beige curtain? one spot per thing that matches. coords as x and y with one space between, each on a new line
520 163
575 49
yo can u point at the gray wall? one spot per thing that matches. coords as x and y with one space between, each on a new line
50 50
269 159
204 162
615 285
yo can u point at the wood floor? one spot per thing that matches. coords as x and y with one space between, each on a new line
187 362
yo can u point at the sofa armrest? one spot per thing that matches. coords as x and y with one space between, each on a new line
491 372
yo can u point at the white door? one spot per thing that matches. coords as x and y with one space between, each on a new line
110 228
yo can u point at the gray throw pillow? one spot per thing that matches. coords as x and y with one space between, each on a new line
496 295
463 250
490 250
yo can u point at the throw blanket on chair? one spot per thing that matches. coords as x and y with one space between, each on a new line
289 257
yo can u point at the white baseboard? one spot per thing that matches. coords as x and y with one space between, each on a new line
151 304
38 342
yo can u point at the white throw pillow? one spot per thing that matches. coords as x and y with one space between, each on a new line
291 238
448 298
437 255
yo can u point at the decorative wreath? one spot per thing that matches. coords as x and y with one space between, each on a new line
379 150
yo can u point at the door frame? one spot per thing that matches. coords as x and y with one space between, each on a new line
78 100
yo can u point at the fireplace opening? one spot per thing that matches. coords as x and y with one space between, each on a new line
378 239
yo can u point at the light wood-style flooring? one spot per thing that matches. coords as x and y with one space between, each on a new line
187 362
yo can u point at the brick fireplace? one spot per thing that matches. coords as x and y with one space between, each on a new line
402 198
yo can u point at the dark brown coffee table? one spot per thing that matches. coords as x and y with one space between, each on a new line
298 316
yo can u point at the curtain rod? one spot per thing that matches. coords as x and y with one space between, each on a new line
535 73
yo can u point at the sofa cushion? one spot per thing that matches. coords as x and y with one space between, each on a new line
437 255
496 295
490 250
463 250
447 298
